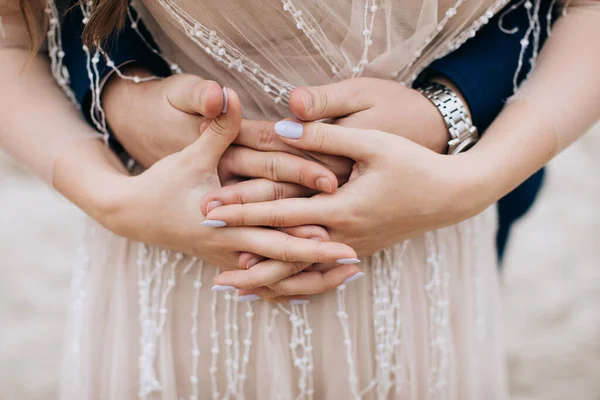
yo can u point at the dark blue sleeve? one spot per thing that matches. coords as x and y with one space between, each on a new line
123 47
483 67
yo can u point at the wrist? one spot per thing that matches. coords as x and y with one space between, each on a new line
90 175
437 133
120 95
453 109
450 85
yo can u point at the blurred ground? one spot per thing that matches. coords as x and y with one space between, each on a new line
551 283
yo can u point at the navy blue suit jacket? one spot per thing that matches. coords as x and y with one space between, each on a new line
482 68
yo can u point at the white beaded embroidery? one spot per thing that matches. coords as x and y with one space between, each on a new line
313 32
301 347
277 89
439 316
55 50
214 350
194 330
370 9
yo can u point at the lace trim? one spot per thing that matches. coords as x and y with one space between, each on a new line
313 32
277 89
55 50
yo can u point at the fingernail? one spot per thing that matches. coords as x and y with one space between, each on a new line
306 99
299 302
252 262
225 101
318 239
212 205
214 223
354 277
324 185
348 261
247 298
289 129
221 288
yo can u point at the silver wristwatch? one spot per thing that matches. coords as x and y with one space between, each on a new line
463 134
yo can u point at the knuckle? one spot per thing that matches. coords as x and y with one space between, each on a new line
322 102
276 219
320 137
303 175
242 220
238 197
278 191
265 136
222 126
272 168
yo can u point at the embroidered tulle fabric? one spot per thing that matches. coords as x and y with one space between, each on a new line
423 324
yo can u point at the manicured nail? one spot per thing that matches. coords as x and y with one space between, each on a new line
354 277
225 101
348 261
299 302
221 288
307 99
247 298
289 129
324 185
252 262
212 205
214 223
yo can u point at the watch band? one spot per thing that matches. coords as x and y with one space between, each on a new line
463 134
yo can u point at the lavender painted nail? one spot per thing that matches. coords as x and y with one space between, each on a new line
348 261
214 223
248 298
222 288
289 129
225 101
354 277
299 302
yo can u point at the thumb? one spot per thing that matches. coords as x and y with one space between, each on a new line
338 99
221 132
194 95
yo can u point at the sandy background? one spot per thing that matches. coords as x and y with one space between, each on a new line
551 283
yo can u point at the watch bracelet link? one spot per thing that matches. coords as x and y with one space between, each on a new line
463 134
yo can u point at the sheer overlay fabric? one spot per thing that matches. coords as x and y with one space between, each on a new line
425 322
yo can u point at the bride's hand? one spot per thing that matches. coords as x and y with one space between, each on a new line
397 189
162 207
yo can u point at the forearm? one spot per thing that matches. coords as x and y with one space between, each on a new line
558 103
45 133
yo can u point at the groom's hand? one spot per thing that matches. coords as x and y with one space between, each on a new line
157 118
370 103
